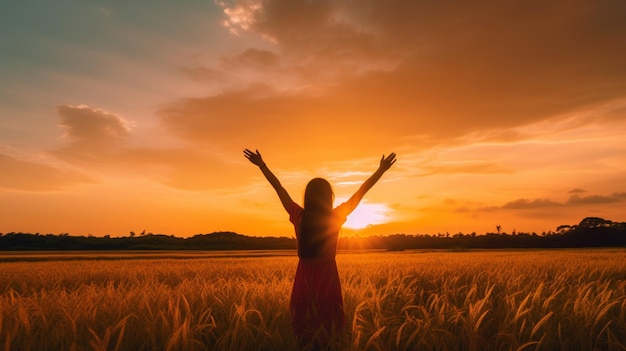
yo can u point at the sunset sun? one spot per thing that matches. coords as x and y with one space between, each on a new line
367 214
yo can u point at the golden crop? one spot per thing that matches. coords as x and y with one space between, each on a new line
485 300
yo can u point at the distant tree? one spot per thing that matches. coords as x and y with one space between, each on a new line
594 222
563 228
498 228
132 234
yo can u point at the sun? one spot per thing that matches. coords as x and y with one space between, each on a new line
367 214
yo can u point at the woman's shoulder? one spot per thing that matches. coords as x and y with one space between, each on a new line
295 212
342 210
294 207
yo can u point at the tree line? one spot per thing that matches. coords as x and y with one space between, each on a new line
590 232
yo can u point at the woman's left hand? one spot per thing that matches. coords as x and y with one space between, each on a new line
254 157
387 162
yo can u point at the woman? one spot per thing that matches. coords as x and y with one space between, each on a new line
316 301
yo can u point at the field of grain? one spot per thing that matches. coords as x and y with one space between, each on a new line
501 300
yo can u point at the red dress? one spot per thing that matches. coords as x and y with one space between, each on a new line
316 302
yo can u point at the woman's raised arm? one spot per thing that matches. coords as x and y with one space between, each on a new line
385 164
257 159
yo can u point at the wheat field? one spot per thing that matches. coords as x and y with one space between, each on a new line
484 300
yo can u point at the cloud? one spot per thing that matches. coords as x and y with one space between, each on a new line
252 57
90 130
596 199
261 116
464 168
239 15
523 204
99 141
573 201
577 191
29 176
519 38
316 31
180 168
380 73
85 123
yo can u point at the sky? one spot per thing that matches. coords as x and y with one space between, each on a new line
119 116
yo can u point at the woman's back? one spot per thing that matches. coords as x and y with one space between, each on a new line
319 239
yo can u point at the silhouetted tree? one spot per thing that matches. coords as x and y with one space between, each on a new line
563 228
590 232
594 222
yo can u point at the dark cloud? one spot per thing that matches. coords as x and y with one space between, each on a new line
30 176
577 191
523 204
596 199
573 201
90 126
90 132
411 68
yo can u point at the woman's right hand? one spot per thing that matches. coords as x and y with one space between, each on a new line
254 157
387 162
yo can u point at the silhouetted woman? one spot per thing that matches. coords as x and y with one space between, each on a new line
316 301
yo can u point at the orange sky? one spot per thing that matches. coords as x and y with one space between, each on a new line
130 117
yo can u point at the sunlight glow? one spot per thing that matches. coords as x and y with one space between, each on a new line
367 214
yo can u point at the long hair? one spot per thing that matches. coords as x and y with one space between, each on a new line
316 218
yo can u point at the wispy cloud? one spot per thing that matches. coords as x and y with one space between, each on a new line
464 168
572 201
523 204
37 177
99 140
